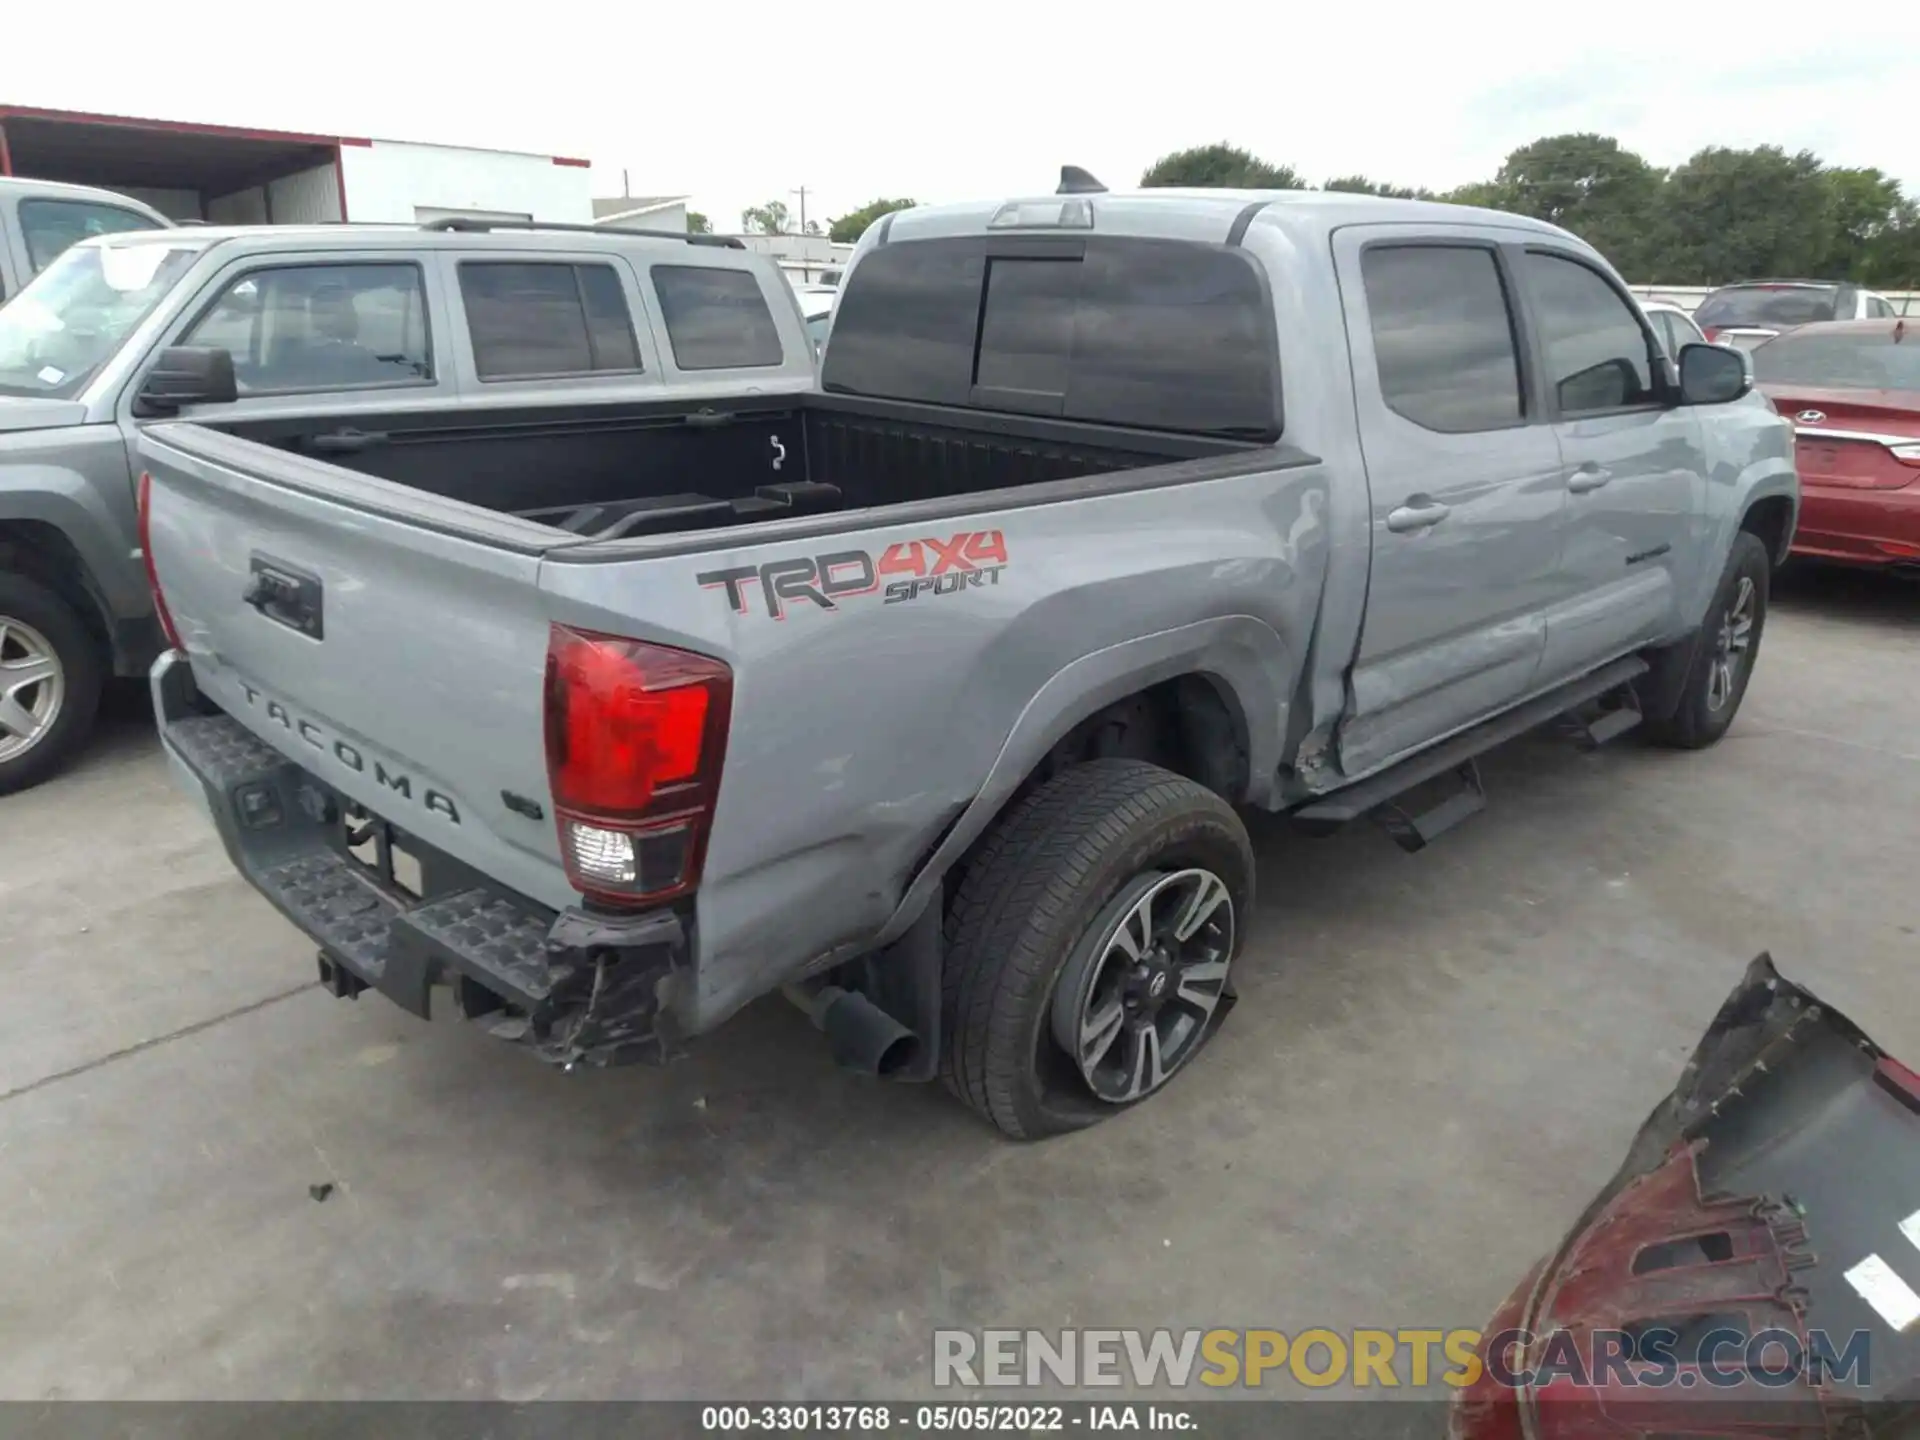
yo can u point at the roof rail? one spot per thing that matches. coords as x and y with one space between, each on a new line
481 227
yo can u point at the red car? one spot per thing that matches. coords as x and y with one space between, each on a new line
1852 390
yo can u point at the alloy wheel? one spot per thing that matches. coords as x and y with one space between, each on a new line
33 687
1732 646
1136 997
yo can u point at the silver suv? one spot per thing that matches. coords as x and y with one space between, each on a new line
316 332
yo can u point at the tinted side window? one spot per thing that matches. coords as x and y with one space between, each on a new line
1443 336
1879 309
716 319
1160 334
546 319
321 327
52 225
1597 354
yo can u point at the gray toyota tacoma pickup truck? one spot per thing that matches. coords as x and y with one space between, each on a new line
308 331
932 696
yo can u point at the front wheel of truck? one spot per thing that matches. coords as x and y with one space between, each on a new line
1088 948
51 671
1724 658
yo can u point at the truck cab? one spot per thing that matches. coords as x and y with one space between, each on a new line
41 218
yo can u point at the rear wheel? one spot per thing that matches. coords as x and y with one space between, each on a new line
50 678
1728 648
1090 944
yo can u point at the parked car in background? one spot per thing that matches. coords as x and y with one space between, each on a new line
337 340
1852 390
1673 326
816 308
1744 315
39 219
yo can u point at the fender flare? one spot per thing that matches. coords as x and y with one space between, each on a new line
1252 665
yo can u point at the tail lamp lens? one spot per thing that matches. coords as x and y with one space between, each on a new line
636 735
146 558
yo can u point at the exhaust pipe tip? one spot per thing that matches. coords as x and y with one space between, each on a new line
862 1037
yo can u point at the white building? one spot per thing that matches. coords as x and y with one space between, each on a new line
642 212
224 174
806 259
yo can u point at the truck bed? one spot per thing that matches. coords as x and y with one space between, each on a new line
609 471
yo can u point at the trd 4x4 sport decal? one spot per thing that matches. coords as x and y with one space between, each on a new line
923 567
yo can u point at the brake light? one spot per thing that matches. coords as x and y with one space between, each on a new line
1711 333
636 736
145 507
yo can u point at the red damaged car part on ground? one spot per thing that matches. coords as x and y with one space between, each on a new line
1757 1205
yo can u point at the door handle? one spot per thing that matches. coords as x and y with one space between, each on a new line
1417 514
1588 478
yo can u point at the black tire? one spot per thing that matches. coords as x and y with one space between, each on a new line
1032 893
82 673
1698 721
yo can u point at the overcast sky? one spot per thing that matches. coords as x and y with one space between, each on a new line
738 101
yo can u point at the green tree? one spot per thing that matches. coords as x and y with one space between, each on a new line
1864 205
698 224
1607 196
1220 167
772 218
1891 258
1746 214
1361 185
1483 193
851 226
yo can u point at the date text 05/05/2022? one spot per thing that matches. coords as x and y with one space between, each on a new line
925 1419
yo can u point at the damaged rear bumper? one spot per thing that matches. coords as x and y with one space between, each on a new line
574 987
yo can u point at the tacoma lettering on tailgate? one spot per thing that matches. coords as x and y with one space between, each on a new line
398 781
928 566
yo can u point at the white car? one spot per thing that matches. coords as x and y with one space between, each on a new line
1673 325
816 308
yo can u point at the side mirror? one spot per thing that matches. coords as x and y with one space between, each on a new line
1714 374
187 375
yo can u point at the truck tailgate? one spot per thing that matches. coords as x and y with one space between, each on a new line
397 657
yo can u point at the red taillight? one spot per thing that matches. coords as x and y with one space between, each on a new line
1711 333
636 735
146 556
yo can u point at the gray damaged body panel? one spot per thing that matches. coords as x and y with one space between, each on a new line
858 736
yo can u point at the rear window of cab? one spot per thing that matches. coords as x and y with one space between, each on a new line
1155 334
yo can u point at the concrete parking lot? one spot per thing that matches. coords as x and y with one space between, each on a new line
1436 1059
